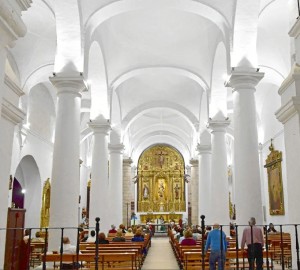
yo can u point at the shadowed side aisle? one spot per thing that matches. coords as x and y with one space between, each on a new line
160 255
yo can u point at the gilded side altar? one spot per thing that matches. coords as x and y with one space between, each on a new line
161 185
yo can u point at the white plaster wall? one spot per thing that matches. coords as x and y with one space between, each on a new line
41 152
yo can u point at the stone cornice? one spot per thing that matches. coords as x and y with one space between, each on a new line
24 4
116 148
194 162
244 78
295 30
293 76
127 161
204 149
69 83
102 127
218 125
11 23
287 111
11 113
13 86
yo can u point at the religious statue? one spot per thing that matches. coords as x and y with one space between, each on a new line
145 192
161 190
176 191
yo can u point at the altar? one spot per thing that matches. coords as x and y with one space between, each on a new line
159 218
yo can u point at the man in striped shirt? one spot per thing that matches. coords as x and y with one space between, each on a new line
253 238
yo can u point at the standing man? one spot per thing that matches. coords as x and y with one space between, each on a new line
253 238
217 243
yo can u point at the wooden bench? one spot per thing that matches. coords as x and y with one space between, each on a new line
116 261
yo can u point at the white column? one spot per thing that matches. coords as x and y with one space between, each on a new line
219 190
194 190
289 115
128 192
99 199
116 183
204 149
65 182
247 176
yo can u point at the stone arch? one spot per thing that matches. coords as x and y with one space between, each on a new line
27 173
218 94
97 79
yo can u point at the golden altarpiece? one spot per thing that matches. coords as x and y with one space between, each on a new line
45 210
161 185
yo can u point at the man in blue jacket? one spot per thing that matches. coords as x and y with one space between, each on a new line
217 243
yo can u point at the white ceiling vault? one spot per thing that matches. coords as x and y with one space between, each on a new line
156 68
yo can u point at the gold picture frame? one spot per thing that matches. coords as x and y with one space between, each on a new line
273 165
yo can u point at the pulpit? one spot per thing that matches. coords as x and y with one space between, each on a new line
14 239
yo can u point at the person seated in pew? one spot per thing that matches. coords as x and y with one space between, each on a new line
207 231
113 229
68 248
138 237
102 239
122 227
188 239
119 237
271 228
196 234
129 232
26 236
38 238
92 237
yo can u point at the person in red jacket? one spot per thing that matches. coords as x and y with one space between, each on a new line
188 239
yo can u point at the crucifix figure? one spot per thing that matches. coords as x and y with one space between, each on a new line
161 159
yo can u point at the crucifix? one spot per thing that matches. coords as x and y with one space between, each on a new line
161 159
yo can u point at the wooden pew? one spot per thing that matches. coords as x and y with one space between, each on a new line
116 261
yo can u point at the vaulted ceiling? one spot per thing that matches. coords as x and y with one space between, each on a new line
156 68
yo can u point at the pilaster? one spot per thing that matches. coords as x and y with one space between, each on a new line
289 115
10 116
295 33
194 190
128 191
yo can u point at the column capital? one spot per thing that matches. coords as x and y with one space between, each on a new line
244 78
295 30
102 127
127 161
116 148
203 149
288 110
218 125
11 23
294 76
194 162
69 83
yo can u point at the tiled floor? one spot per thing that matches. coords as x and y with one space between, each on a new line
160 256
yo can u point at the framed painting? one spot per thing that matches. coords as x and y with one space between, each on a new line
273 165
